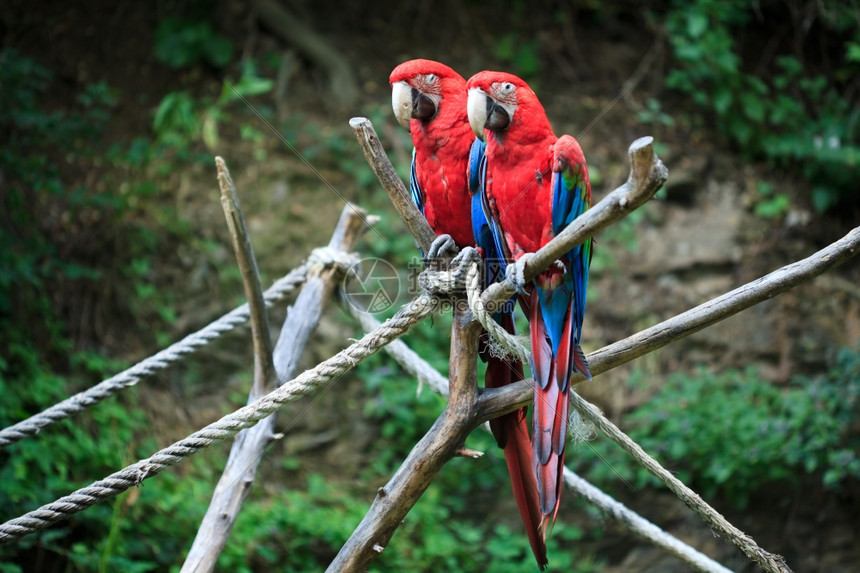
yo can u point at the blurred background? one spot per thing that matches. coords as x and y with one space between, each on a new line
114 246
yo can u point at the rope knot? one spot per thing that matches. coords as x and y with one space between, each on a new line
323 257
464 274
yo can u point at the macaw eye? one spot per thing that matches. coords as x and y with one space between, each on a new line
430 78
507 87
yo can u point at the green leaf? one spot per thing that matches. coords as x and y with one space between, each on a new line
753 106
697 23
722 100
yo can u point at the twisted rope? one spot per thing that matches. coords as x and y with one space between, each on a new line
719 524
641 526
417 366
225 428
148 366
503 342
465 274
328 256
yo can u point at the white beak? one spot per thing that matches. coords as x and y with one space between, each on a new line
401 102
476 107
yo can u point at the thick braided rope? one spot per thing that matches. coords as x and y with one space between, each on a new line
149 366
446 282
405 356
223 429
508 343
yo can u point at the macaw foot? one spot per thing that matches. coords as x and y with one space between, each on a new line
441 245
514 273
461 263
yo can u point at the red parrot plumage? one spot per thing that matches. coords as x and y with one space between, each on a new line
535 184
429 100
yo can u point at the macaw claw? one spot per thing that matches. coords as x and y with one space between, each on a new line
441 245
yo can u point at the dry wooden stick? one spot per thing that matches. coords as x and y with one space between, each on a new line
250 444
394 500
647 176
513 396
264 369
397 192
414 364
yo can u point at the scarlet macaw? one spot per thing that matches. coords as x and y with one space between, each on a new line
535 184
429 100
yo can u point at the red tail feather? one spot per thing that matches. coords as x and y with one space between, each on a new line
551 403
512 434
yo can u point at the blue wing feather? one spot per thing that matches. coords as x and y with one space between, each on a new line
415 188
568 202
484 228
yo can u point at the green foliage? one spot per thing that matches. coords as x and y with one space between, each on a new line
791 117
135 532
521 55
771 205
182 43
181 120
731 433
302 530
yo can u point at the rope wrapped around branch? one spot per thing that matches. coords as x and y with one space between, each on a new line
149 366
464 275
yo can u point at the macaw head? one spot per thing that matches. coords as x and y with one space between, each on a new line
503 103
418 88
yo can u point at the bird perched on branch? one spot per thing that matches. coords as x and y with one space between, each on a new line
429 100
535 184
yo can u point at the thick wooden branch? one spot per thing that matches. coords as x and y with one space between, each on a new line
498 401
303 316
414 364
250 444
439 444
397 192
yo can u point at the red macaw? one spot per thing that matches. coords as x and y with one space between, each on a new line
535 184
429 100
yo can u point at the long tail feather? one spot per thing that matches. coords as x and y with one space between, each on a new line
551 403
512 433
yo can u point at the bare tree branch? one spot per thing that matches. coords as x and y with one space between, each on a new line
397 192
501 400
439 444
250 444
414 364
647 176
264 368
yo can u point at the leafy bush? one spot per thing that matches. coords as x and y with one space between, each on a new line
791 116
731 433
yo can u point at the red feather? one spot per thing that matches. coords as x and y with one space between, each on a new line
522 159
442 145
512 433
442 150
